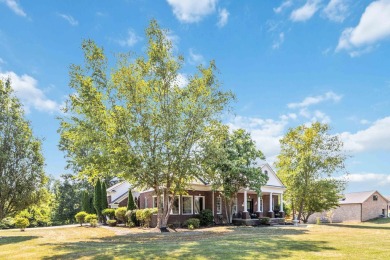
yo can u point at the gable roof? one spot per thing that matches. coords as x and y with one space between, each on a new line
358 197
273 179
115 186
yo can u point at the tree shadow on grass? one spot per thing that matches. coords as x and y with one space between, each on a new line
235 244
15 239
359 226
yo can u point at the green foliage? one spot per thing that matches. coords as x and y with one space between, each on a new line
97 198
130 202
308 158
318 220
21 161
264 221
110 213
80 217
206 217
21 222
67 199
138 121
232 165
7 223
194 222
87 202
111 222
131 216
144 216
120 214
104 196
92 219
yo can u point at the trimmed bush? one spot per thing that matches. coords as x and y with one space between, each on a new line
144 216
80 217
111 222
110 213
120 214
131 216
206 217
7 223
264 221
92 219
192 223
22 223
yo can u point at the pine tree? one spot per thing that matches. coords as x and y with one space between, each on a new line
130 202
85 202
97 199
104 196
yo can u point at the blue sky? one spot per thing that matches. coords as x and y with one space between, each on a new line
289 62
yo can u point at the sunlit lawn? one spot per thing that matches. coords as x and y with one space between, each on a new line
348 241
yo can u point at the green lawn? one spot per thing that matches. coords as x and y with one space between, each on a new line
349 241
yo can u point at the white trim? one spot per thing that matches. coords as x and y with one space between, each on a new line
155 200
203 206
192 204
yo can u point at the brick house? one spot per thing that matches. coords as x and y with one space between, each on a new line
201 196
357 207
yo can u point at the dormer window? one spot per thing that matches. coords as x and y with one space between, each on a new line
266 172
375 197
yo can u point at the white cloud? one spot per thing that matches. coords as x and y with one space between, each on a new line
371 180
374 25
308 101
375 137
279 41
306 11
195 58
336 10
181 80
27 91
283 6
69 19
223 17
2 61
131 39
14 6
189 11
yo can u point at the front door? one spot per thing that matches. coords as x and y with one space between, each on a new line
249 205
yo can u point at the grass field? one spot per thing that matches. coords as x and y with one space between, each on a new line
369 240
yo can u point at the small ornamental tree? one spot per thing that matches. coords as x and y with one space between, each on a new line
85 202
130 202
21 223
80 217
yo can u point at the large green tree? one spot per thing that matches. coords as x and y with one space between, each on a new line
308 158
232 164
21 161
140 123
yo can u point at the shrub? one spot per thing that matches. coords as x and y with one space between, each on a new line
80 217
131 216
191 227
144 216
7 222
110 213
194 222
318 220
91 219
264 221
111 222
120 214
206 217
22 223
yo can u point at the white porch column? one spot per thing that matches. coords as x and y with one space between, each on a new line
258 203
245 201
270 203
281 202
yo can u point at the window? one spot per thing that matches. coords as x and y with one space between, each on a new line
187 205
219 205
199 204
155 201
375 197
175 210
261 204
146 202
234 211
266 172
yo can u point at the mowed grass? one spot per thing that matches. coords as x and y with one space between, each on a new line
369 240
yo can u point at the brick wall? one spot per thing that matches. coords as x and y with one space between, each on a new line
372 209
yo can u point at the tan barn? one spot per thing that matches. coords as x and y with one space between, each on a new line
357 207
